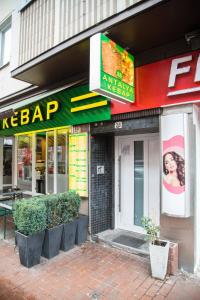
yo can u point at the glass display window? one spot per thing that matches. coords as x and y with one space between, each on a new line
24 162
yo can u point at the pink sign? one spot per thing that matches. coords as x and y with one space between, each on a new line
174 164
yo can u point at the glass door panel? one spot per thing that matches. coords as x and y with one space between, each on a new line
40 162
24 162
50 162
62 184
138 182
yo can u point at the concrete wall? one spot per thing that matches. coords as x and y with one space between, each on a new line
7 7
9 85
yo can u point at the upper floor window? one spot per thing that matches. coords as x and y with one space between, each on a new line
5 42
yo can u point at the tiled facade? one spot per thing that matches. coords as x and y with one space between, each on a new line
102 186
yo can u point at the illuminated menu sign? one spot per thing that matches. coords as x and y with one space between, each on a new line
111 69
78 162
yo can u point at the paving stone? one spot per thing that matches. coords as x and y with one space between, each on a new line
90 272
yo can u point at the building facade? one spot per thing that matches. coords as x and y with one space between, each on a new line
127 159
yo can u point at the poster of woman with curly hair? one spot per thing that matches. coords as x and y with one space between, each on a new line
175 165
174 171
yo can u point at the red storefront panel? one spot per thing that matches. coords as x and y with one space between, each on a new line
170 81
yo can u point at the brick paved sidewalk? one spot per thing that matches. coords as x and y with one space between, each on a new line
88 272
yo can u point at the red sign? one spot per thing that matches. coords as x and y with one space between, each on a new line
170 81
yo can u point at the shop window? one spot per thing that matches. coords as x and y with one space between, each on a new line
24 162
62 179
40 162
5 42
7 161
50 162
50 166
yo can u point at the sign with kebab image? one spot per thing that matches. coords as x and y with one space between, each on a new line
111 69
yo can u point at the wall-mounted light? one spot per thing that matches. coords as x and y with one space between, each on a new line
106 33
193 39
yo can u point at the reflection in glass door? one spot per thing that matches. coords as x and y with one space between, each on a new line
50 162
62 183
24 162
7 161
40 162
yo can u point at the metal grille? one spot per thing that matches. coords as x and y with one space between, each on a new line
137 114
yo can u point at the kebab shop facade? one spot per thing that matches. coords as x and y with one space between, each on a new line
145 161
128 143
49 141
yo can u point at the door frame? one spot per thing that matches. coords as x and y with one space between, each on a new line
55 162
135 137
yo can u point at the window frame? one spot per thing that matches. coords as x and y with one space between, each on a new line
4 27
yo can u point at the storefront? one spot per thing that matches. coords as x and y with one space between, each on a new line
113 142
50 140
133 156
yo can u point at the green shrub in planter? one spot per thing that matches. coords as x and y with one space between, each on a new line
70 209
54 228
70 203
53 210
30 220
29 216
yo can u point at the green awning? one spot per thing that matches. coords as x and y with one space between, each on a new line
69 112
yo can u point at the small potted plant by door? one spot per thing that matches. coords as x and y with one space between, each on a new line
54 226
30 221
159 249
70 208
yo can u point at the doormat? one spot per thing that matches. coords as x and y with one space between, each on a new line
129 241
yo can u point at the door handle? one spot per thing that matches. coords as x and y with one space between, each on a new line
119 181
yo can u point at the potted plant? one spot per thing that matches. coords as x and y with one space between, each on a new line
70 207
54 226
30 221
159 249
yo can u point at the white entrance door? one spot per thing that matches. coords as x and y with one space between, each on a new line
137 181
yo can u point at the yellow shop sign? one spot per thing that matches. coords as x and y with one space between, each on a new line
31 115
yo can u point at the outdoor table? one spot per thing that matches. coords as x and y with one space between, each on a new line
10 195
6 205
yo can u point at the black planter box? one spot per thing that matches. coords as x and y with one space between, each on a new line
68 235
52 240
30 248
82 229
